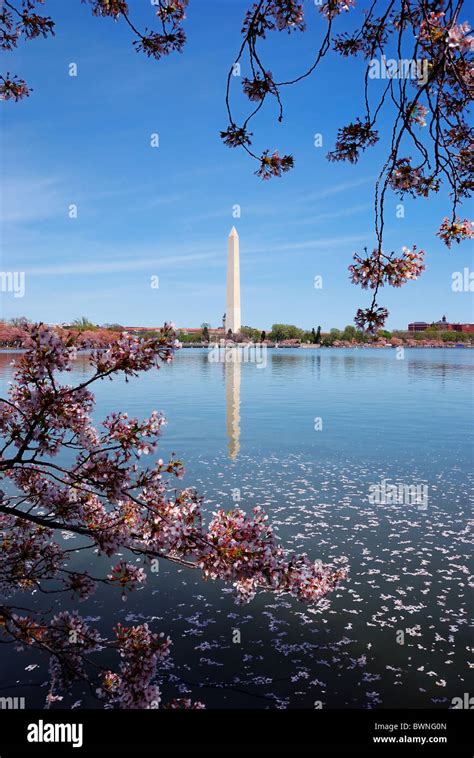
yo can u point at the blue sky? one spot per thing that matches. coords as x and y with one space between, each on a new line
167 211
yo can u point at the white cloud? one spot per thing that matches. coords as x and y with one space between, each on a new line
116 266
336 189
31 198
321 243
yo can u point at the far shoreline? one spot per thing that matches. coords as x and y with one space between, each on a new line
248 345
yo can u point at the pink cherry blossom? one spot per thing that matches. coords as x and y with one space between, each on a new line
115 505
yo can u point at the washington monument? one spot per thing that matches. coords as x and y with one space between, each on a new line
232 314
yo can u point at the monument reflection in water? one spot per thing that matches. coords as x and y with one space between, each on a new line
232 358
232 392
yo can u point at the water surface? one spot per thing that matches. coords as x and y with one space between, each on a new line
306 436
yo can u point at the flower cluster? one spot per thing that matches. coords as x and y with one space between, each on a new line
454 231
405 178
287 14
113 8
245 551
280 15
351 140
273 165
258 87
371 35
174 11
126 576
417 113
432 29
141 650
172 525
236 136
16 24
130 355
132 435
27 555
72 640
346 44
155 45
13 88
460 37
82 585
333 8
172 38
376 269
33 25
370 319
434 32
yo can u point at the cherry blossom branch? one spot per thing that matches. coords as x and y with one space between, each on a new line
106 498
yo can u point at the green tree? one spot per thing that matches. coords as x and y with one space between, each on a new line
286 332
83 324
349 333
187 338
453 336
249 331
362 336
318 336
114 327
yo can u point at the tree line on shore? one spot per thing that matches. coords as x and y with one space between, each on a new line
12 334
281 333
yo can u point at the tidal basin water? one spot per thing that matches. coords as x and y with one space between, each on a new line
311 437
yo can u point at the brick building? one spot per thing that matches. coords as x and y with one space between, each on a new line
444 325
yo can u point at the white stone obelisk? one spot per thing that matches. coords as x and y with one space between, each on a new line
232 314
